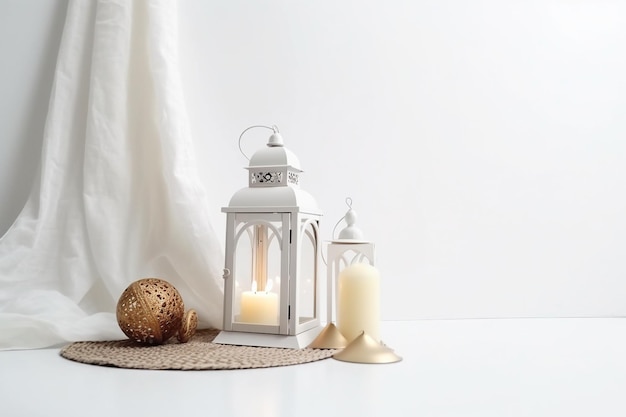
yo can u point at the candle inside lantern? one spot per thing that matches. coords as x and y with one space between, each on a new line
259 307
358 301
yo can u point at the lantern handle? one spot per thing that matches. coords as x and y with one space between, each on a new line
349 204
337 224
273 128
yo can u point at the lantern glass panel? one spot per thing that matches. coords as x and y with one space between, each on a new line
257 271
340 256
307 276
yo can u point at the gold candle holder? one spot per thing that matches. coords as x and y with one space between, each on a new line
329 338
365 349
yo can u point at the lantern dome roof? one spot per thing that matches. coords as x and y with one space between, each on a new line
274 154
272 199
273 183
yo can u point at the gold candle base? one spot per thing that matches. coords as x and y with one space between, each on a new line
329 338
364 349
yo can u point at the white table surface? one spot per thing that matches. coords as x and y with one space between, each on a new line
502 367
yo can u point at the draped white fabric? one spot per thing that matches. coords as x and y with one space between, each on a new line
119 197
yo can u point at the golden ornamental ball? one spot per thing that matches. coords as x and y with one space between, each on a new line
151 311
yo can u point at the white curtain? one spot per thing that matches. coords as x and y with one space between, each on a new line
119 198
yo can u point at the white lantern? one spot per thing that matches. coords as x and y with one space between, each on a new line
356 286
272 254
349 248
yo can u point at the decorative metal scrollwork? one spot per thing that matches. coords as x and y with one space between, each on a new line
266 177
293 178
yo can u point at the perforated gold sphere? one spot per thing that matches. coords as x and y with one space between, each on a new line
151 311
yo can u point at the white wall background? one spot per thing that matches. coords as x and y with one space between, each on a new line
483 143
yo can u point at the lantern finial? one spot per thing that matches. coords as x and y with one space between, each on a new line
351 231
276 139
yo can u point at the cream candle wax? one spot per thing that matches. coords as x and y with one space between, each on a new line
358 301
259 307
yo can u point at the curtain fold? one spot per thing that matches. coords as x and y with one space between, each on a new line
119 197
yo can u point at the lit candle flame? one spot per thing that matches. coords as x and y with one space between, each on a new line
268 286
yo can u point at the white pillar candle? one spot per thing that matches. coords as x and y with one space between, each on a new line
358 301
259 307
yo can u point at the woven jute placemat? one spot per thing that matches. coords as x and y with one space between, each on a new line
197 354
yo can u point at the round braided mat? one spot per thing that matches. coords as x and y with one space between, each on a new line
197 354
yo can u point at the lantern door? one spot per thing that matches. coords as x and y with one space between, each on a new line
257 268
305 272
